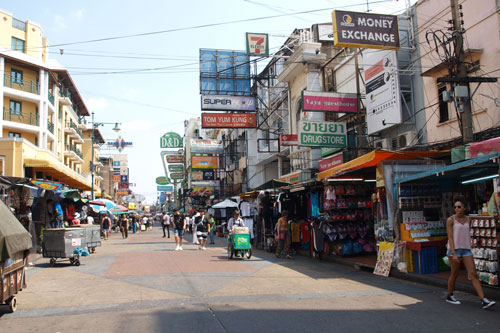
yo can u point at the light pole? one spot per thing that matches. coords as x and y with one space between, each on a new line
92 166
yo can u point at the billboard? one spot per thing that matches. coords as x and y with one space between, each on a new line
365 30
322 134
224 72
257 44
228 120
227 103
383 101
204 162
329 101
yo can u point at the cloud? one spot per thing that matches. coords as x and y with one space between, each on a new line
94 104
59 22
136 126
77 14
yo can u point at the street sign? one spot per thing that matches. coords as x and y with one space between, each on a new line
171 140
177 175
322 134
165 188
176 168
162 180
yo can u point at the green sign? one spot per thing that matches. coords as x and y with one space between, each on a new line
175 167
172 152
162 180
322 134
177 175
328 151
171 140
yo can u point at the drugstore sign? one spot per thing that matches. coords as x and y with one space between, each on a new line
322 134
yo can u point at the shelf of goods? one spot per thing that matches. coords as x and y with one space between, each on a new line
483 231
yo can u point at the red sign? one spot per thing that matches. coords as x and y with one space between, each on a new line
329 101
228 120
289 139
175 159
330 162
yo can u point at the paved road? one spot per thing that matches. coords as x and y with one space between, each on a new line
142 285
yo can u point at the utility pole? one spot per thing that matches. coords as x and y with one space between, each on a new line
464 105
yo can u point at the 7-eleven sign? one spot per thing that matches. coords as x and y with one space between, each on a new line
257 44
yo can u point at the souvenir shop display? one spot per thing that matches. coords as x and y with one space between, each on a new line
483 231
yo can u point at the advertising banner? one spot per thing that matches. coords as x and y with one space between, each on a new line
322 134
227 103
330 162
329 101
165 188
205 190
228 120
257 44
383 101
206 146
171 140
175 159
365 30
204 162
289 139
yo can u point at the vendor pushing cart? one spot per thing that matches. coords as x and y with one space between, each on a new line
239 238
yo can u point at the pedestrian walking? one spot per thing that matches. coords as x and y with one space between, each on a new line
459 249
211 233
282 236
165 223
202 231
124 226
105 224
179 226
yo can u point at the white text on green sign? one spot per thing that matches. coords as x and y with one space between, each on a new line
322 134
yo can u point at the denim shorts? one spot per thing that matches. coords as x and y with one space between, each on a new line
105 230
460 253
179 232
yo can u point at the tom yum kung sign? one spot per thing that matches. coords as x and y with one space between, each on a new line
365 30
322 134
228 120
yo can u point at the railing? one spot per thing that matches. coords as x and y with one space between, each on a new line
75 150
18 24
27 118
75 127
64 92
51 98
27 86
50 126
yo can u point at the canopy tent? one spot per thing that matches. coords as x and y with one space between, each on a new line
225 204
373 158
485 147
13 237
119 209
271 184
7 182
102 205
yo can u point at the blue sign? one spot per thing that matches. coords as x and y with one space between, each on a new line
165 188
116 171
124 179
116 163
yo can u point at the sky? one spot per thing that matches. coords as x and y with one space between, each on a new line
150 83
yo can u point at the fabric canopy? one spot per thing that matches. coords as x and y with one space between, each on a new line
373 158
273 183
226 204
13 237
485 147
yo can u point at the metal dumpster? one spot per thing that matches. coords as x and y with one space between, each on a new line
61 243
92 236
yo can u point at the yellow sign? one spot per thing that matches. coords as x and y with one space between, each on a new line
380 178
131 205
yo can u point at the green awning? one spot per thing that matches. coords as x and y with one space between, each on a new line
271 184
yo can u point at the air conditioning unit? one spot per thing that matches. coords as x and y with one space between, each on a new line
382 144
407 139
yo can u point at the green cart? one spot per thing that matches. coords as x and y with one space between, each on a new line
239 246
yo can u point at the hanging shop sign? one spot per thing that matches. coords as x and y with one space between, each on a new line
119 144
227 103
321 134
383 101
329 102
124 178
330 162
165 188
289 140
175 159
206 146
123 171
365 30
116 163
257 44
204 162
162 180
171 140
176 167
177 175
116 178
228 120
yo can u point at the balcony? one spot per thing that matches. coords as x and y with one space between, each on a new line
73 131
26 86
73 153
50 126
27 118
51 98
65 96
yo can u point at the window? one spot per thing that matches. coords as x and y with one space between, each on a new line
443 106
17 44
15 107
14 135
16 76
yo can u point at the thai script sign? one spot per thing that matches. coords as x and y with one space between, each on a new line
365 30
228 120
330 162
171 140
328 101
227 103
321 134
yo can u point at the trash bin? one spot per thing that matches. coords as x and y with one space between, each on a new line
92 236
61 243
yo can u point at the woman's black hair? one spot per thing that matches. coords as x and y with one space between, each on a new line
460 198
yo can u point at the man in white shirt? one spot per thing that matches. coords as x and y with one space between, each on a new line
90 220
165 223
235 221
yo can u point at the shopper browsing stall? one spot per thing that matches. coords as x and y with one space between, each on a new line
459 249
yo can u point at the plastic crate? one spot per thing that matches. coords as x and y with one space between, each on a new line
428 260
